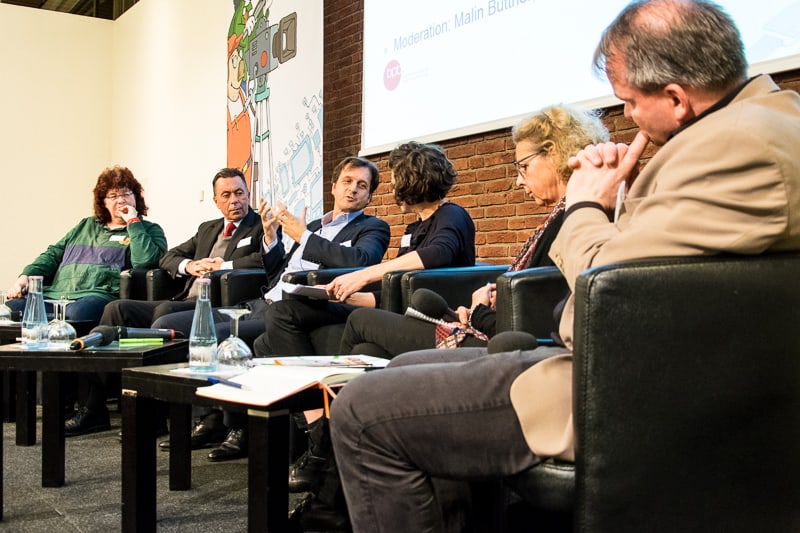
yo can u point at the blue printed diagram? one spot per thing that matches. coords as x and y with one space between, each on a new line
298 174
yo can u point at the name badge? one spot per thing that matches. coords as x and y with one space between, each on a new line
347 244
118 238
244 242
405 241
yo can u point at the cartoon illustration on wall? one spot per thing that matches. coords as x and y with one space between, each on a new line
281 161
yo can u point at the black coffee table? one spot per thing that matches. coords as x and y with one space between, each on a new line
268 446
53 365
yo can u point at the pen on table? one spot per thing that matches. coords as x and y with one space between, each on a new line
229 383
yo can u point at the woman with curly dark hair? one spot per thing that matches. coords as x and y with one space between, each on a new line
442 236
84 265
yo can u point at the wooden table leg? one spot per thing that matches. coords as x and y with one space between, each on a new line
9 396
26 408
138 463
268 471
52 430
180 446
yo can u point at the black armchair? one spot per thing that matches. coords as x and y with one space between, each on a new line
240 285
686 401
228 287
455 284
526 300
148 284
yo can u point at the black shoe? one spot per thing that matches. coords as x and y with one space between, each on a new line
234 447
318 517
207 431
305 473
85 421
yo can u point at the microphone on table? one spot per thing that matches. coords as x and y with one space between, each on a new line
431 305
98 336
148 333
105 335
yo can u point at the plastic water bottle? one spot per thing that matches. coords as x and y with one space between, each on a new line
203 336
34 320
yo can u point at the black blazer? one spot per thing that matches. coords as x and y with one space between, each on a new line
244 248
368 239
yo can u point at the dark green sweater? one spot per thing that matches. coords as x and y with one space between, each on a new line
88 259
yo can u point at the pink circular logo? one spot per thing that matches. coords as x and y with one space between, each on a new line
391 75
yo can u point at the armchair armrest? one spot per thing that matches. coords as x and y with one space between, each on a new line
240 285
326 275
133 284
455 284
392 291
162 286
526 300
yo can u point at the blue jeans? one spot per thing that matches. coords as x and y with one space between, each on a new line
88 308
432 413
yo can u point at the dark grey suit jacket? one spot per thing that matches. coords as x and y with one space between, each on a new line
244 248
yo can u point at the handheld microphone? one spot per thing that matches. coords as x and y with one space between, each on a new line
433 305
98 336
148 333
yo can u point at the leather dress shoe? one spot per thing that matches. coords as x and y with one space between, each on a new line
313 516
204 433
85 421
234 447
305 473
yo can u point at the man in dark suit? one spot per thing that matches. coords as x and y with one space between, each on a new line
343 237
233 241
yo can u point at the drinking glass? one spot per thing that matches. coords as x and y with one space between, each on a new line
60 333
5 311
233 354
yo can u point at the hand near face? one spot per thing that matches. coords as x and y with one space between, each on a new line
126 212
599 169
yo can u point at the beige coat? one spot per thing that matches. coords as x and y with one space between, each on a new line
730 182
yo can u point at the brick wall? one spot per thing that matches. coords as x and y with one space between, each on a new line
503 217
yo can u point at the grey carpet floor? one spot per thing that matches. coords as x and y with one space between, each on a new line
90 499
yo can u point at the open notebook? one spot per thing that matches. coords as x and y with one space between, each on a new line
276 379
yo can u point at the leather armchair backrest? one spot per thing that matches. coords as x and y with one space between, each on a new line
133 284
392 291
687 395
241 285
526 300
455 284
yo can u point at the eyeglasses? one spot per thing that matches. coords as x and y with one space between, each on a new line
114 196
522 168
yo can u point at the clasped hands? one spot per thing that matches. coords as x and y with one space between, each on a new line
599 169
201 267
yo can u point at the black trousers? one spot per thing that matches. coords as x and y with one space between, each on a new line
386 334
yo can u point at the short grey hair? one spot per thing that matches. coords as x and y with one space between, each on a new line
693 43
